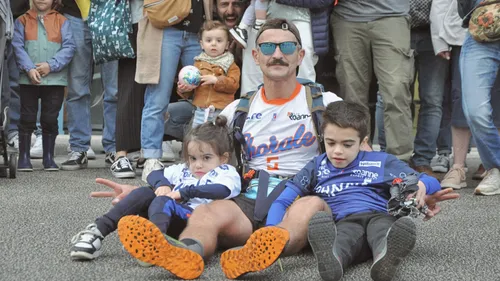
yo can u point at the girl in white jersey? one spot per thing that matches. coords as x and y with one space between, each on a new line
174 192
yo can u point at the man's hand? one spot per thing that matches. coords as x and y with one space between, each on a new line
119 192
208 80
34 76
43 68
445 55
432 200
176 195
163 190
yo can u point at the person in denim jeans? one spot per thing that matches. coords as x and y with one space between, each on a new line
479 65
180 42
79 81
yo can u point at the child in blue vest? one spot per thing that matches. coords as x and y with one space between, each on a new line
356 186
43 46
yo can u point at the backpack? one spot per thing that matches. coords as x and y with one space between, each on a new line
314 93
164 13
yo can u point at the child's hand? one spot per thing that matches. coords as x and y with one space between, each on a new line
43 68
419 195
183 88
163 190
176 195
208 80
34 76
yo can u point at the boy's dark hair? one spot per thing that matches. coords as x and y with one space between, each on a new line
346 114
217 135
211 25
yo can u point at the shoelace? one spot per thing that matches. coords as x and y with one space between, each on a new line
121 163
85 235
74 155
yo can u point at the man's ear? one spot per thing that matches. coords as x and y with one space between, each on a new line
302 53
255 55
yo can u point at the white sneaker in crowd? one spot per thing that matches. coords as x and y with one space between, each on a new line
36 151
90 152
441 164
168 154
490 185
13 142
149 166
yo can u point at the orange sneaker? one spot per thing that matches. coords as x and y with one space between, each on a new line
144 241
262 249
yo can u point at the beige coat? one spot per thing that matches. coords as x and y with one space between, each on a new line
149 40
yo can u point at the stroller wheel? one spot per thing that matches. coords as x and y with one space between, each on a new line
12 165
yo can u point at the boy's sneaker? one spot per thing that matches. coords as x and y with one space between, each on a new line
441 164
240 35
168 154
322 235
36 151
76 161
490 185
109 159
260 251
398 243
86 245
145 241
149 166
122 168
455 179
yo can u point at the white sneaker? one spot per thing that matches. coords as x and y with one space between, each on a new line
13 142
87 244
168 154
441 164
490 185
90 152
149 166
36 151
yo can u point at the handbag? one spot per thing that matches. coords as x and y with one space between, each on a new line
164 13
110 24
420 11
484 24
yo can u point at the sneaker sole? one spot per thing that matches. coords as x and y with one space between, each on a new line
85 256
74 167
124 175
145 242
322 234
401 240
440 169
51 169
238 39
25 169
454 186
478 191
260 251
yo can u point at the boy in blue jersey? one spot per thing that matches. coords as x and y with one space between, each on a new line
355 184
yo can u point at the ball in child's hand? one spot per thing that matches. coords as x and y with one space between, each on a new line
190 75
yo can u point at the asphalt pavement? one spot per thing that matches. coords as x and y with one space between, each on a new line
41 211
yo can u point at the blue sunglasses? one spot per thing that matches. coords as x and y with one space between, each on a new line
287 48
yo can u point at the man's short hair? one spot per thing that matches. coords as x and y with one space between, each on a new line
282 24
345 115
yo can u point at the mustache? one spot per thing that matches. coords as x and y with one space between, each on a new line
277 62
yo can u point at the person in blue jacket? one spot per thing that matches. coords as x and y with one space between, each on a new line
356 186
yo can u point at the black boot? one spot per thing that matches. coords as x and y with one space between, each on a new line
24 162
49 142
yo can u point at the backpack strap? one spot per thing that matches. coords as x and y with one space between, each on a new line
239 119
314 96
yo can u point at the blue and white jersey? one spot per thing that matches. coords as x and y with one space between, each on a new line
362 186
180 176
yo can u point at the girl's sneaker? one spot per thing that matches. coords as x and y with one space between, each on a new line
240 35
87 244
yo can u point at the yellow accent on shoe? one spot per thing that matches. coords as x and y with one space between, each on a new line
144 241
261 250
